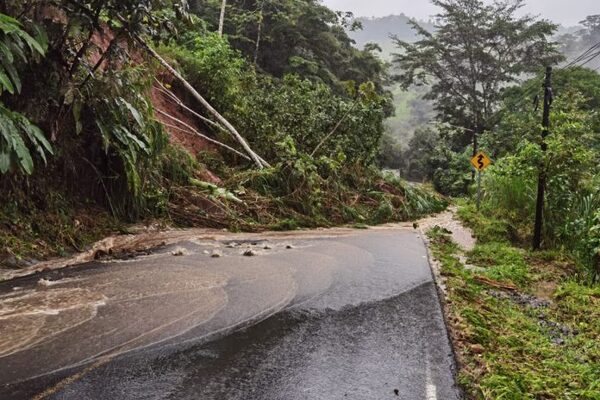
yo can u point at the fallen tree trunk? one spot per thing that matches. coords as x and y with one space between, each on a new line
189 129
260 163
181 104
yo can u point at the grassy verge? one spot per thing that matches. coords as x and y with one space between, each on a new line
523 326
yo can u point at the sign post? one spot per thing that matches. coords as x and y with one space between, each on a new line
478 190
481 161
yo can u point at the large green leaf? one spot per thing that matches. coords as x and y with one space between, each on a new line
17 134
13 74
4 162
134 112
14 42
37 139
9 25
23 154
32 43
5 82
6 53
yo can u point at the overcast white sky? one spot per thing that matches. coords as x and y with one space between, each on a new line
566 12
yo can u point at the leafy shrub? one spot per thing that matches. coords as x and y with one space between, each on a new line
282 117
125 141
592 247
346 194
571 169
303 117
450 177
210 65
582 232
17 133
16 44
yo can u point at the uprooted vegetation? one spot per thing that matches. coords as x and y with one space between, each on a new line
98 131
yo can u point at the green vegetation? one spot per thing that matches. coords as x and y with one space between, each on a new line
89 123
17 132
481 104
45 224
474 52
570 164
399 149
522 326
510 185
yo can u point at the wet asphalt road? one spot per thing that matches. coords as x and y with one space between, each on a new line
351 316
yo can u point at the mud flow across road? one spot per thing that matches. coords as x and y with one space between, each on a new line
328 315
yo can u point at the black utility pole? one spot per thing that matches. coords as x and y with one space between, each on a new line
539 209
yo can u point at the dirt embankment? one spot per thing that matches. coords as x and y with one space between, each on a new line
175 119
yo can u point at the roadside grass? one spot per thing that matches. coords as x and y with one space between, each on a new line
522 326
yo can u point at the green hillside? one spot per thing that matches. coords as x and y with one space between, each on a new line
411 111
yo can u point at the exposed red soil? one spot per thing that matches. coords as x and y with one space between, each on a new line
178 132
193 143
102 41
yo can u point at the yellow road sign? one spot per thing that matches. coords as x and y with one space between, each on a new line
481 161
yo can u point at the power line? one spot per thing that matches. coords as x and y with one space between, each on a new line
583 56
590 59
583 59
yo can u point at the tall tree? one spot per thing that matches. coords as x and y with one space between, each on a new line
475 52
222 17
297 36
592 27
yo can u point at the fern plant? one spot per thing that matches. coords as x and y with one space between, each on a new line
121 122
17 134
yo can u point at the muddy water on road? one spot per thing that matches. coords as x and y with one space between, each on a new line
62 322
338 312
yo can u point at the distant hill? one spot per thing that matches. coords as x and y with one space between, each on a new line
412 111
379 30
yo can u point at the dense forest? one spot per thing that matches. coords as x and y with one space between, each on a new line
114 112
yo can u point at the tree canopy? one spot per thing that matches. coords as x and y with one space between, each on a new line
476 51
296 36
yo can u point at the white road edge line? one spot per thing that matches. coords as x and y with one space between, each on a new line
430 388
